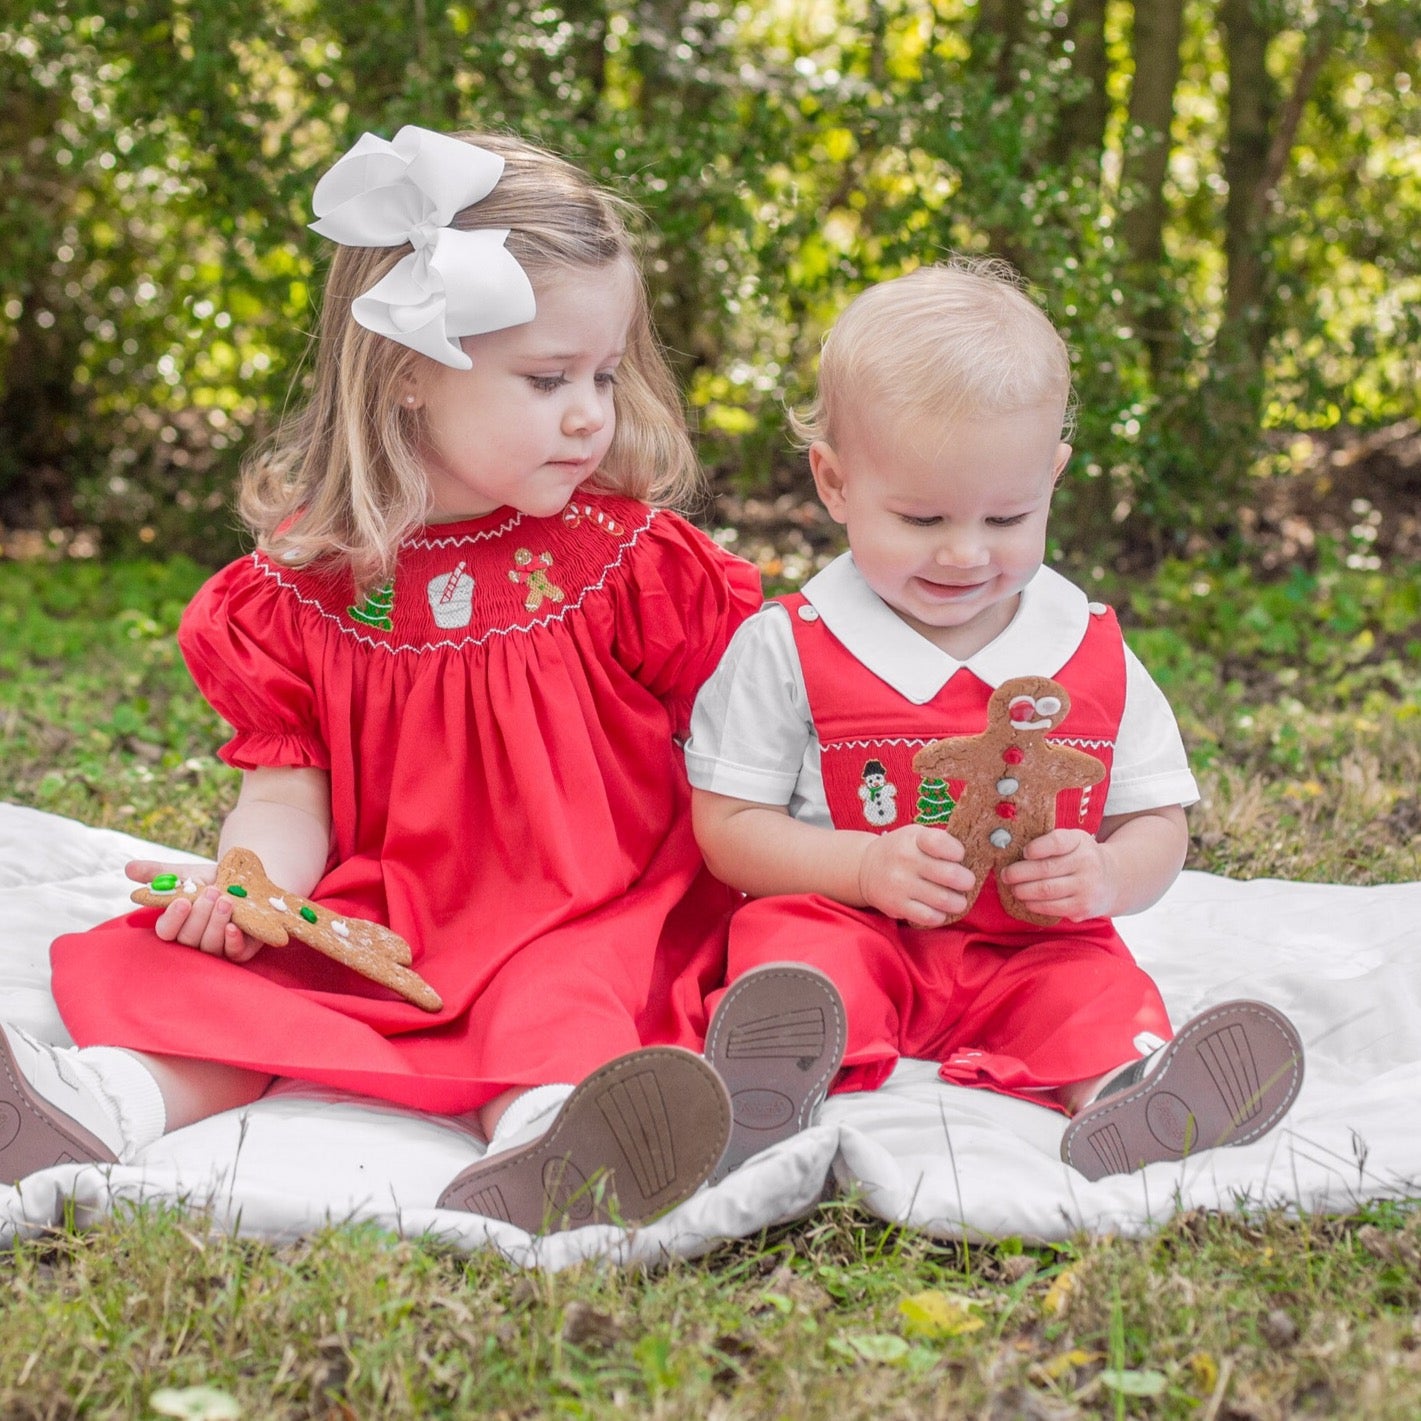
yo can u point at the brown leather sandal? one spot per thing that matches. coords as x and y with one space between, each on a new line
35 1134
637 1137
1228 1077
777 1039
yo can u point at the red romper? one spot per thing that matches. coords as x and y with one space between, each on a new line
999 1002
506 794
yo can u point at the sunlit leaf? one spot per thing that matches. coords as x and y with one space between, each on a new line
195 1403
1132 1383
938 1314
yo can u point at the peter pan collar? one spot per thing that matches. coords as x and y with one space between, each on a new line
1049 624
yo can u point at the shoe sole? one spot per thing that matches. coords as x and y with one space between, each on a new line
1227 1078
637 1137
777 1040
34 1134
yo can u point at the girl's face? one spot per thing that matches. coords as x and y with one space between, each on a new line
534 417
946 522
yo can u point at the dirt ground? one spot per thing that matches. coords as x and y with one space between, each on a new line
1360 491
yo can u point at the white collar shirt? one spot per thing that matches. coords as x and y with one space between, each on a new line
753 738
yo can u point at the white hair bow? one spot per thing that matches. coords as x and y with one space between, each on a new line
454 283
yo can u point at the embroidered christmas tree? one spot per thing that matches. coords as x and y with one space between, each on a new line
377 608
935 802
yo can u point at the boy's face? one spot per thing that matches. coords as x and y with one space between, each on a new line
946 521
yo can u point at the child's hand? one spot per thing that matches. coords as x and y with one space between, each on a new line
1066 873
205 923
915 873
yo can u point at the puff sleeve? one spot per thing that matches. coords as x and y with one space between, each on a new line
685 598
248 654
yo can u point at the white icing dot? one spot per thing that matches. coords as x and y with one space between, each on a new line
1000 838
1008 785
279 904
340 930
189 885
808 613
1096 609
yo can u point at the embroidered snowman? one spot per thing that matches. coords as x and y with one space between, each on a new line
879 797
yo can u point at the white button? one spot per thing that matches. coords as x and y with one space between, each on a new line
1097 609
808 613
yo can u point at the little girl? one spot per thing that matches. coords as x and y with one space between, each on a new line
936 441
455 669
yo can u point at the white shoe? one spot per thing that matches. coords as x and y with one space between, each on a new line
53 1109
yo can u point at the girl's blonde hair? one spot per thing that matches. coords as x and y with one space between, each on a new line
342 477
956 341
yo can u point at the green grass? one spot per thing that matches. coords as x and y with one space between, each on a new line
1301 702
837 1317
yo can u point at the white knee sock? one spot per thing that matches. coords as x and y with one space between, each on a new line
527 1117
108 1091
132 1093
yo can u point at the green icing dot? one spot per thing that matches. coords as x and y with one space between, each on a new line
165 883
236 890
309 914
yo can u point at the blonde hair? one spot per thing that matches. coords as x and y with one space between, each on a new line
342 477
956 341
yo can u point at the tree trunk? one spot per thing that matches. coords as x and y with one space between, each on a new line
676 278
1000 31
1234 390
1085 108
1159 26
1252 106
40 407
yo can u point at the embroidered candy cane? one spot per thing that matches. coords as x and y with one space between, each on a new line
452 585
574 513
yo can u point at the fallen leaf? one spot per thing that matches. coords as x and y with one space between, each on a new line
195 1403
938 1314
1063 1362
1131 1383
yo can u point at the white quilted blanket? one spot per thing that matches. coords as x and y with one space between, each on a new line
1342 962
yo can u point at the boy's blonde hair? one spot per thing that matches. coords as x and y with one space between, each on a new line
957 341
342 477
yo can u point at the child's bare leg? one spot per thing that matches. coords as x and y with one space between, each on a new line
101 1104
491 1112
193 1090
1076 1096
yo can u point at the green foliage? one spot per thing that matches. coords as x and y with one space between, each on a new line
157 280
99 716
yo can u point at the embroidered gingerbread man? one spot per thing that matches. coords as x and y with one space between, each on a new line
533 571
1011 776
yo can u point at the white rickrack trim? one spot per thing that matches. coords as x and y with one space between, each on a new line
482 536
420 648
877 740
1083 741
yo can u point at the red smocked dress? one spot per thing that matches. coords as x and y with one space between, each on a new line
497 723
997 1001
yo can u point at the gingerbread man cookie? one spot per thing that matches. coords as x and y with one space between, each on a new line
1011 775
273 916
